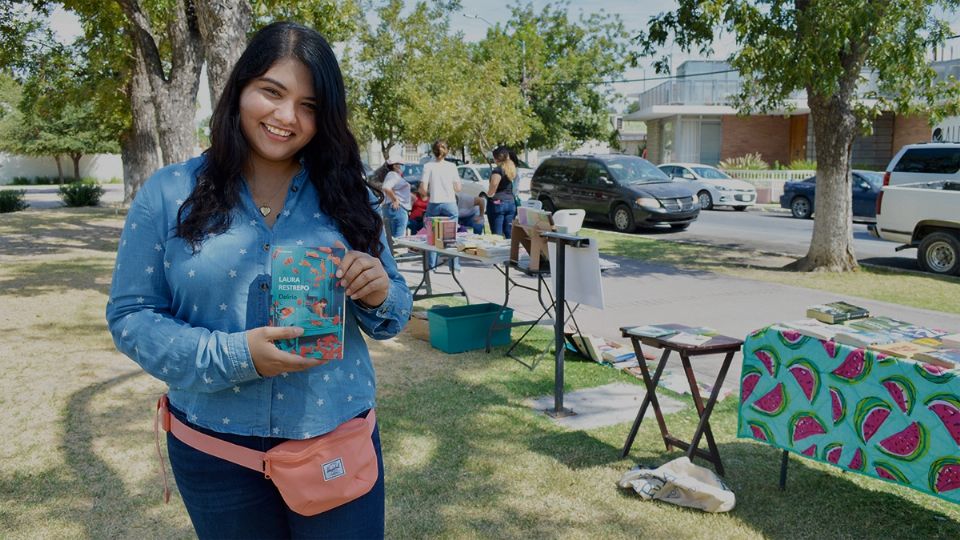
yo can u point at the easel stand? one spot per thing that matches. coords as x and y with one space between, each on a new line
562 240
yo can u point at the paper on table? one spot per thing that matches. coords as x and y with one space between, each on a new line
582 270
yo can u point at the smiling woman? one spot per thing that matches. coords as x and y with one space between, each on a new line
191 294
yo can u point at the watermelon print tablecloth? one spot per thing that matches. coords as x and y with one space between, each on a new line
882 416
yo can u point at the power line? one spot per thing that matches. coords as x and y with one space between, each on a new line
663 78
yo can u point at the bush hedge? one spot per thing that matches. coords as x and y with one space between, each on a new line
11 200
49 180
81 194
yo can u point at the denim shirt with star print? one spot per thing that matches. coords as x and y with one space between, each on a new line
182 316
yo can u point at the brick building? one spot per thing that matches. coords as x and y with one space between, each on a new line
691 119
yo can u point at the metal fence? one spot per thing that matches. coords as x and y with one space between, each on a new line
770 183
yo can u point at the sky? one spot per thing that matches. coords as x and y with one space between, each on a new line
634 13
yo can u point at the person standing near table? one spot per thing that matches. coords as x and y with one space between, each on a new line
502 207
191 288
441 183
397 201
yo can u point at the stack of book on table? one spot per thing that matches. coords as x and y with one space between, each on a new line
853 326
836 312
675 333
484 245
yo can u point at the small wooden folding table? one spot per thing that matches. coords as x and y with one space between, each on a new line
716 345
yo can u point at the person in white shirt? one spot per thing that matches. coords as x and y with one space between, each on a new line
441 183
397 201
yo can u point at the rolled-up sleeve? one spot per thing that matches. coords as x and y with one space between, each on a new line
140 319
388 319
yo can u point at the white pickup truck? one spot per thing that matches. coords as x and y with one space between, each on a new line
925 216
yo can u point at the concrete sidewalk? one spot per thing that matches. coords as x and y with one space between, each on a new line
640 293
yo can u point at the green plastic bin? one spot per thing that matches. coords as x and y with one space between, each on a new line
464 328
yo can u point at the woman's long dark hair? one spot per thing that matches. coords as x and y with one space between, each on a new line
332 157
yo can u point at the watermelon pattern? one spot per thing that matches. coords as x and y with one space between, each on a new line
876 415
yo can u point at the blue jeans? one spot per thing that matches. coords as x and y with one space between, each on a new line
470 222
396 219
225 500
446 210
501 216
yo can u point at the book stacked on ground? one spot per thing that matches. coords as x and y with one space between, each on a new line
836 312
603 351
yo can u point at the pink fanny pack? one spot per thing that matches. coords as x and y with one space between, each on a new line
313 475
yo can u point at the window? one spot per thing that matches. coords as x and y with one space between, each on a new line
929 160
631 170
592 173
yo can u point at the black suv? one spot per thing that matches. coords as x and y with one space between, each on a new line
626 191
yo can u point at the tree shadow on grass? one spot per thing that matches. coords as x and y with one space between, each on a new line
50 232
821 501
94 495
59 277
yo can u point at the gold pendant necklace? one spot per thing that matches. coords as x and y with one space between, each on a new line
264 208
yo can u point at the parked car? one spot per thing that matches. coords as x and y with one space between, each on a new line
712 186
923 216
476 178
799 196
412 173
924 162
627 191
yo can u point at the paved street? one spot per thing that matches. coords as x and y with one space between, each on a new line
47 196
778 232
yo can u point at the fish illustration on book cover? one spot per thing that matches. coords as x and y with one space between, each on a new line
304 293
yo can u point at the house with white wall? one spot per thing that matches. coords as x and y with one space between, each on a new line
691 118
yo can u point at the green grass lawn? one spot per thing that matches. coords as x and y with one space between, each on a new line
915 289
465 458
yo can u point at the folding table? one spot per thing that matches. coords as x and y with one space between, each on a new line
716 345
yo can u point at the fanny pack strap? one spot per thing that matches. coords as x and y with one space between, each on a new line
228 451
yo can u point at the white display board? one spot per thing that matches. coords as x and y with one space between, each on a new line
582 273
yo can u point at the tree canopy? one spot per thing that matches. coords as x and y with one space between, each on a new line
560 64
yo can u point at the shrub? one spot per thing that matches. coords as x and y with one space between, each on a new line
802 165
81 194
20 181
747 162
11 200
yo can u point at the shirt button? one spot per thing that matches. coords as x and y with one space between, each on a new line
266 247
294 189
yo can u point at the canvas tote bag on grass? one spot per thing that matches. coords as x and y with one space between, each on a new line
682 483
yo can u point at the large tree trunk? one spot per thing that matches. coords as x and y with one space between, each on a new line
223 27
175 94
139 148
834 127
